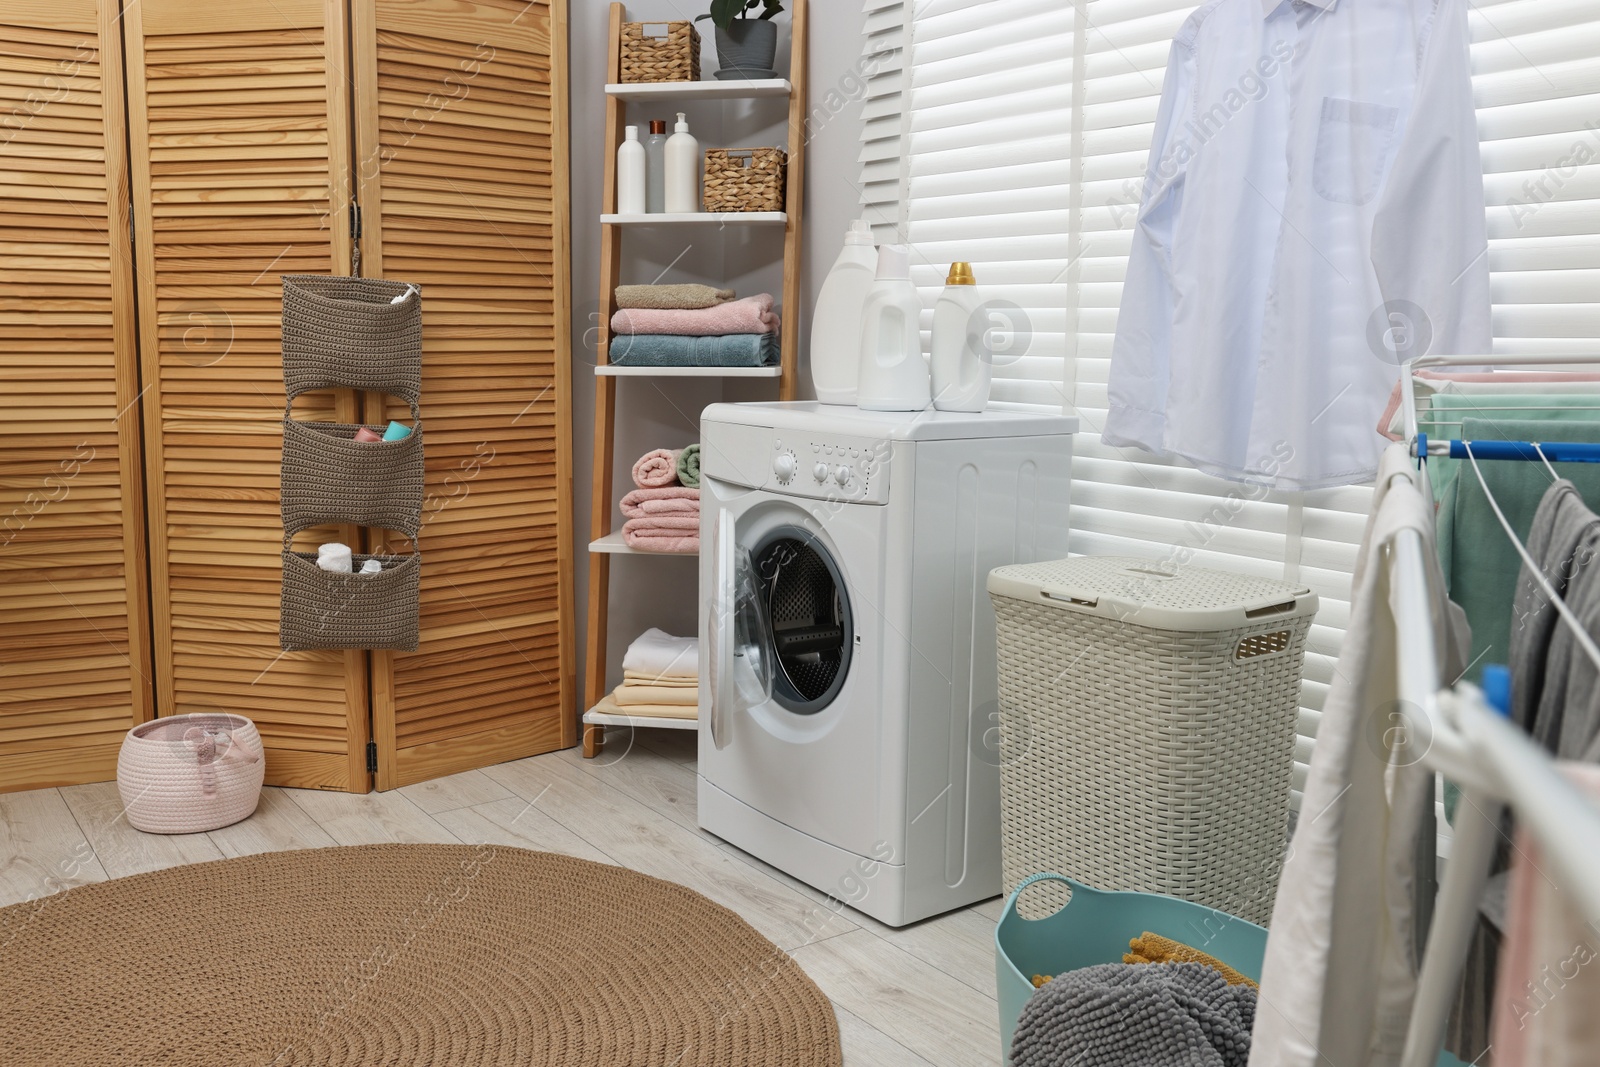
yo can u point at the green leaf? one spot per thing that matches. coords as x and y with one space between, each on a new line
725 11
774 7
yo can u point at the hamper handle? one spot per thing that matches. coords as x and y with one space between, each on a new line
1009 912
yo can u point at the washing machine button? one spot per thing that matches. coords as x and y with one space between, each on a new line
820 472
844 476
783 465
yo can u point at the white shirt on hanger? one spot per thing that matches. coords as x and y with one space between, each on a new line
1313 214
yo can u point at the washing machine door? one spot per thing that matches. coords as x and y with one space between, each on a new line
738 635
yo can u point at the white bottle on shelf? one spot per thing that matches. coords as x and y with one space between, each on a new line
960 369
836 323
631 174
655 152
683 169
894 376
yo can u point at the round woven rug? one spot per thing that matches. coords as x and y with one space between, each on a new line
401 955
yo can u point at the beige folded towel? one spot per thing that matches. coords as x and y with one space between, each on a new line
671 297
609 706
628 695
688 681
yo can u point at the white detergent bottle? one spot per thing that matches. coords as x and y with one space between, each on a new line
957 359
631 174
683 169
836 324
893 376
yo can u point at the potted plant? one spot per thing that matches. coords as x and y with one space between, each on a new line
747 39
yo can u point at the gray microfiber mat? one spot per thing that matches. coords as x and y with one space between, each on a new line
1144 1015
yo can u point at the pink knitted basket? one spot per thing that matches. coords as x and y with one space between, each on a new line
189 773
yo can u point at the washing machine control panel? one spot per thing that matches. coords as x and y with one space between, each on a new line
855 469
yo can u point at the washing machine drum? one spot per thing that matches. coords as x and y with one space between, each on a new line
808 614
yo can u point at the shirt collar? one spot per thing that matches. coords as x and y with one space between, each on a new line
1269 6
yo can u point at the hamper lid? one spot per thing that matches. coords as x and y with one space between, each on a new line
1152 593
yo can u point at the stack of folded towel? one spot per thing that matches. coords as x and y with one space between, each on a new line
660 677
663 513
692 326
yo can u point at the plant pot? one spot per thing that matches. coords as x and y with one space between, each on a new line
747 49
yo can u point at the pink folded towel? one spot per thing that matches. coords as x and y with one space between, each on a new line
656 469
664 533
753 314
668 500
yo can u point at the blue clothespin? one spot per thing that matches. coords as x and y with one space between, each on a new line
1422 449
1497 688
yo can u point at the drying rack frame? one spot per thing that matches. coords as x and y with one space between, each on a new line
1496 765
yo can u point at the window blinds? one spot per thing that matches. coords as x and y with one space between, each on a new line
1025 135
883 114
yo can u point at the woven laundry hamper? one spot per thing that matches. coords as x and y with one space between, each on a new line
1147 718
189 773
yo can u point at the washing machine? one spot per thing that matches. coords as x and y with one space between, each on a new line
849 730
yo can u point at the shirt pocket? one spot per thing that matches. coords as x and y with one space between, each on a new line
1353 146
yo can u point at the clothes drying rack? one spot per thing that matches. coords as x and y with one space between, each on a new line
1495 764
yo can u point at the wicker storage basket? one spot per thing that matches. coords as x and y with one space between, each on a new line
325 609
745 179
660 52
1147 719
190 773
347 333
329 477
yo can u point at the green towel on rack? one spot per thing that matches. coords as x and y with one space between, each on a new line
668 350
1480 564
689 467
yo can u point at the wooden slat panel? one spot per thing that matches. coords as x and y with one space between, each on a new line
469 127
239 122
74 640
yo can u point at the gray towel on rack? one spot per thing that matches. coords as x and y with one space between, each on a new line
1145 1015
1480 564
670 350
1563 539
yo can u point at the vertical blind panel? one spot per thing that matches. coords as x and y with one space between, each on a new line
883 61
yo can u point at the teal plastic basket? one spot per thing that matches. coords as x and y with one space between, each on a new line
1096 926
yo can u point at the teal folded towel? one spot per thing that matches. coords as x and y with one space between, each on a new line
689 467
662 350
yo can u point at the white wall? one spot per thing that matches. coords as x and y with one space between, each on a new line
661 413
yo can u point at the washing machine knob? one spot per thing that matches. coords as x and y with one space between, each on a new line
844 475
783 465
820 472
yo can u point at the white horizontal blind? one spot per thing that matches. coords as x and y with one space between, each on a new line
1029 133
883 162
990 134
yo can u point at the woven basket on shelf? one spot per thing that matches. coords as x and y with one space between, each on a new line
327 609
745 179
1147 724
330 477
186 774
660 52
348 333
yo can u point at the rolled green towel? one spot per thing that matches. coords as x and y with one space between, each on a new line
689 467
672 350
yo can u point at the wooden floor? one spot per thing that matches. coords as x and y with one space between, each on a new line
916 996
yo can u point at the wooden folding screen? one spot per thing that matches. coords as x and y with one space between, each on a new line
239 123
454 168
74 654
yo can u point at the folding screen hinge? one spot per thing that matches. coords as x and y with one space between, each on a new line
372 757
355 239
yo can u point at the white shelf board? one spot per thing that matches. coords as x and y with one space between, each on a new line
697 218
747 89
611 371
613 542
603 718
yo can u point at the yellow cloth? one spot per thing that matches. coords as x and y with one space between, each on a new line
609 706
630 695
1153 948
645 678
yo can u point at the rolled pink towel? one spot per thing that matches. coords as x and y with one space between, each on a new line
753 314
668 500
656 469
